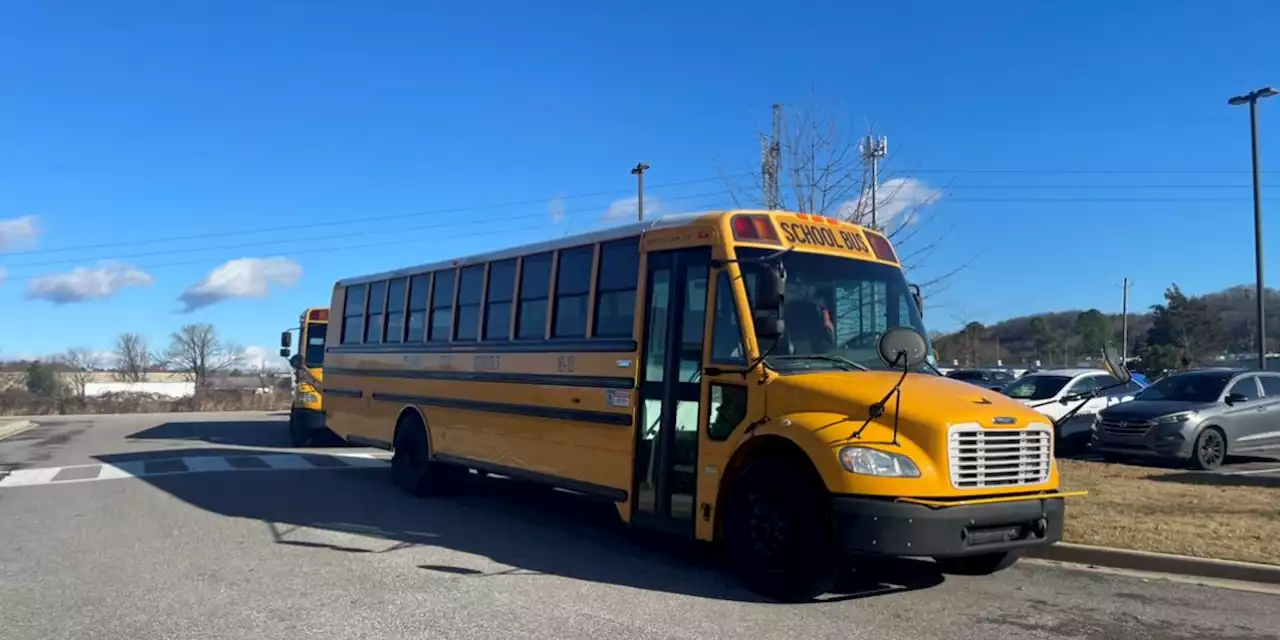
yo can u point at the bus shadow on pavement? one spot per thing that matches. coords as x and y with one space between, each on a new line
240 433
525 530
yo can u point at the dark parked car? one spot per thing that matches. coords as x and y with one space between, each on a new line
1198 416
993 379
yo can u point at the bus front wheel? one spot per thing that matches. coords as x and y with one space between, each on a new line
299 431
980 565
778 532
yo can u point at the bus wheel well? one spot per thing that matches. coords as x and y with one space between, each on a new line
760 448
411 415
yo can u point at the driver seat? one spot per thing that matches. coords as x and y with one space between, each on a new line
807 328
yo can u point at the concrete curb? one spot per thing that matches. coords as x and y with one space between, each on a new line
12 427
1159 562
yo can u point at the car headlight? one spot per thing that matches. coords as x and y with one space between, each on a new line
873 462
1172 418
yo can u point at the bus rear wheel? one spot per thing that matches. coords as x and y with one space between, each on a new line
778 533
411 465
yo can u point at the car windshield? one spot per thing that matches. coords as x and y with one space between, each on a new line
1035 387
836 309
314 356
1188 387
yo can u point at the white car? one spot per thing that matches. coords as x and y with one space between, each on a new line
1048 388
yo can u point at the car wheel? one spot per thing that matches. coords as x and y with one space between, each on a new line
1210 450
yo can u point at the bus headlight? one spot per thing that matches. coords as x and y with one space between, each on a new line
873 462
306 398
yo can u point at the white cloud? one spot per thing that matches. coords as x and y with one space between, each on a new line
555 209
83 285
894 197
242 278
17 231
256 357
627 208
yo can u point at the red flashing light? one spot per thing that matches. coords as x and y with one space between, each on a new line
755 229
881 247
318 315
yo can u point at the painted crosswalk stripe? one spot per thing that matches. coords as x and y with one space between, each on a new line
187 464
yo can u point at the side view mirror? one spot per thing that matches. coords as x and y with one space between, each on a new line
296 361
1115 365
286 340
284 353
771 293
902 348
917 298
1233 398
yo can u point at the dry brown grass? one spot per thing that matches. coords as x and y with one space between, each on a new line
21 403
1174 511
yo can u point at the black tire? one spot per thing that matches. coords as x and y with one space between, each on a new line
778 535
411 465
981 565
1210 450
299 433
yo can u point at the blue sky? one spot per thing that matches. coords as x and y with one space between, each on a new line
1065 146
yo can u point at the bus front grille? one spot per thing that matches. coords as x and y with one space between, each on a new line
982 458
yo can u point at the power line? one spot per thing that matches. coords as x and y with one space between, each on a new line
327 236
365 220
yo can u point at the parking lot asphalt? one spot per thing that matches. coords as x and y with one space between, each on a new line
191 540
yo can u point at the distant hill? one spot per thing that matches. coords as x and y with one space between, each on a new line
1014 341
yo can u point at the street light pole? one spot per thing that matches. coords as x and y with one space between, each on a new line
1251 99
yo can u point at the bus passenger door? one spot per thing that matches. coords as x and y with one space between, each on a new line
670 390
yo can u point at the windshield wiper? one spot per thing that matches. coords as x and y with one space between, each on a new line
840 360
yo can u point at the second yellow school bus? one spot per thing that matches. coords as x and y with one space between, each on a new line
718 376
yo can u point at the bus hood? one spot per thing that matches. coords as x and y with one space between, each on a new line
929 404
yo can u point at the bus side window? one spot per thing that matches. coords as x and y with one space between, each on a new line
726 332
616 288
728 410
353 314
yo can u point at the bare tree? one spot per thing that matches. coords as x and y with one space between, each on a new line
133 358
196 351
80 364
822 171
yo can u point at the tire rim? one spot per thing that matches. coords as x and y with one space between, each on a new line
1211 452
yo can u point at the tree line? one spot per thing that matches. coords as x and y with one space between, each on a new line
1182 331
195 351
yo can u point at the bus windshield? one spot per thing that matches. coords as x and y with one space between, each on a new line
314 355
836 310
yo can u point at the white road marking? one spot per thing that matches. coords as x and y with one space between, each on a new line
191 464
28 477
286 461
208 463
1253 472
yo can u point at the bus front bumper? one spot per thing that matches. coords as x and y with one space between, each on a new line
897 528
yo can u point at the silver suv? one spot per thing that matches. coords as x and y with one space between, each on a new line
1197 416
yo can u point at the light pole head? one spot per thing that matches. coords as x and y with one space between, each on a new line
1252 96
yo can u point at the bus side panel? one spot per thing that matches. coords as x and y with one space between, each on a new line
580 431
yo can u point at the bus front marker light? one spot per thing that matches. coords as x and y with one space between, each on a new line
866 461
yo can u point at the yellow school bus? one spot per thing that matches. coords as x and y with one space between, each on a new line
306 414
758 379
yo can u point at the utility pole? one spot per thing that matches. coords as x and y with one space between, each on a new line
1251 99
771 162
638 172
873 150
1124 322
